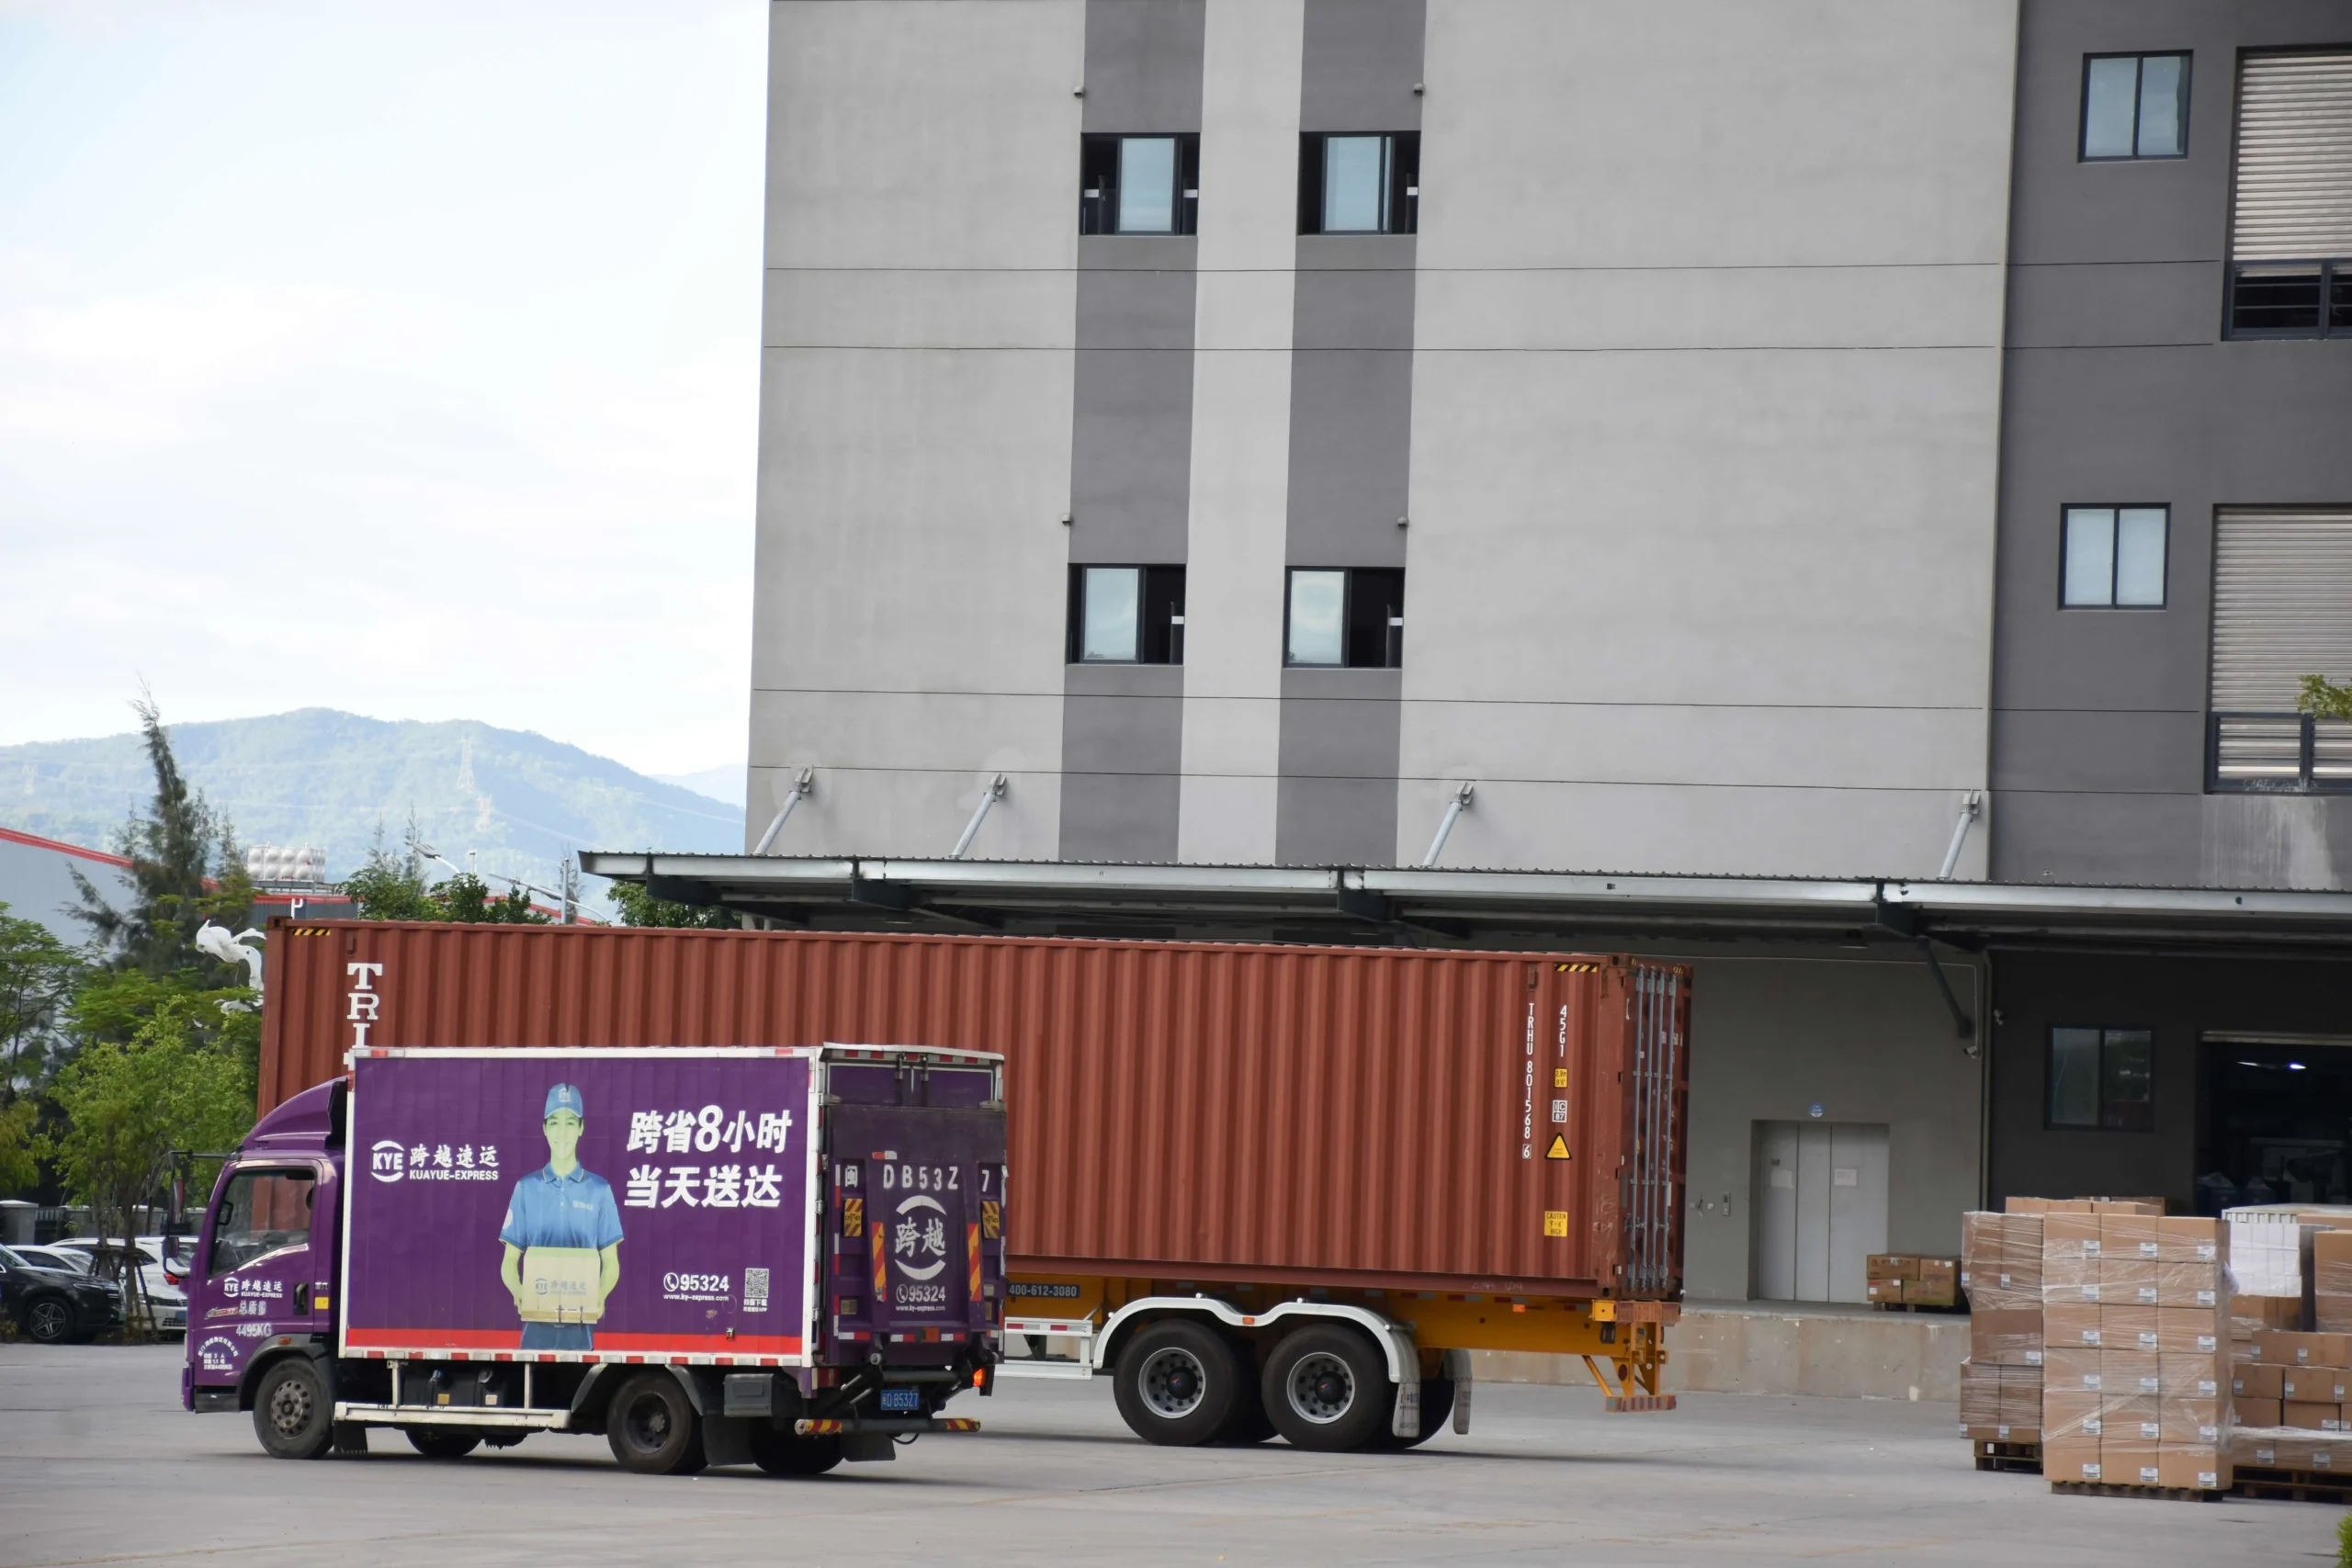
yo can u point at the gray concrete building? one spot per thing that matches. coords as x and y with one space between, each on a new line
1233 433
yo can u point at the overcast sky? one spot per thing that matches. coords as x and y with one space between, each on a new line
398 358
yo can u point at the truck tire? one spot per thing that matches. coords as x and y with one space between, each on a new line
49 1320
1176 1383
1327 1389
1248 1423
441 1442
781 1453
653 1427
292 1415
1437 1408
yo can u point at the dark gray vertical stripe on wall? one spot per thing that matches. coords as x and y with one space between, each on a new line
1351 439
1131 440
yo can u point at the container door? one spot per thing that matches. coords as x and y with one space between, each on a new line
257 1276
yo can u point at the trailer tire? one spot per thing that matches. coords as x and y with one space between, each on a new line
781 1453
292 1414
1248 1423
1177 1383
653 1427
441 1442
1437 1408
1327 1389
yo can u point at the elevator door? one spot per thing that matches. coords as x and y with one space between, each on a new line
1820 1208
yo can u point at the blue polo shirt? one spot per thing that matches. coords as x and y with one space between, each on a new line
548 1210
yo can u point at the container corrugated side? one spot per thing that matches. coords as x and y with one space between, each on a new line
1351 1116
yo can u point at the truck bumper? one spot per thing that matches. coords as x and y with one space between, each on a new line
895 1427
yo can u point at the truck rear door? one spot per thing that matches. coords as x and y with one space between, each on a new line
915 1206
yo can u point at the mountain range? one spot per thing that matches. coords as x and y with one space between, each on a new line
518 801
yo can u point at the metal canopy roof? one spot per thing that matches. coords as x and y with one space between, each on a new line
1357 904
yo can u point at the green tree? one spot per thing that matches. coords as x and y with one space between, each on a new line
640 907
38 976
184 869
2323 699
128 1105
394 888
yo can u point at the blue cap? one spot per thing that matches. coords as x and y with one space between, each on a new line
564 1097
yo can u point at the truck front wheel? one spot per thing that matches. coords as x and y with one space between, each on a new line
652 1427
1327 1388
291 1413
1176 1382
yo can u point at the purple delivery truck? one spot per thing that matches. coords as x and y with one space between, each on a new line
781 1256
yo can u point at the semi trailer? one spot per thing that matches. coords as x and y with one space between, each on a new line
1257 1189
789 1256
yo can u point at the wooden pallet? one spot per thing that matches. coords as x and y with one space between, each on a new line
2022 1458
2294 1486
2112 1489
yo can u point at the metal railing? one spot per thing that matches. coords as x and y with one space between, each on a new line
2282 753
2291 299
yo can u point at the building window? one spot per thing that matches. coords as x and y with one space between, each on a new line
2114 558
1345 618
2290 227
1127 615
1139 185
1358 184
2135 106
2103 1077
2282 614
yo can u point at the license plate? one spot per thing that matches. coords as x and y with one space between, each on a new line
902 1399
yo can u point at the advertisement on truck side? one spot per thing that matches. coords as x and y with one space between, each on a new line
604 1206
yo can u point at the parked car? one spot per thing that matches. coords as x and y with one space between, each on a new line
158 1278
55 1306
71 1260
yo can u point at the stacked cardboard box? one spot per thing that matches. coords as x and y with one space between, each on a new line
2332 1281
2293 1402
2136 1333
2001 1267
1915 1281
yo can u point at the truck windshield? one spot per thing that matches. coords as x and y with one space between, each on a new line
263 1210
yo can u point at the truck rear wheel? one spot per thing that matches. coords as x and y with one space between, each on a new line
291 1413
1176 1382
1437 1407
441 1442
1327 1389
781 1453
652 1428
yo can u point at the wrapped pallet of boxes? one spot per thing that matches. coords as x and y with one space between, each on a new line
2332 1281
2072 1387
2000 1270
2290 1403
2194 1386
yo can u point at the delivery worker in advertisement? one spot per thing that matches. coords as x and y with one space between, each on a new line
563 1238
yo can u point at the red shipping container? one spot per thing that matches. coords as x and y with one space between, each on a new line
1374 1117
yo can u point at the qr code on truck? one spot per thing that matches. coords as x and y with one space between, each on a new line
755 1290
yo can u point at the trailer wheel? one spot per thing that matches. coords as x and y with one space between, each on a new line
781 1453
652 1428
441 1442
1327 1388
1437 1408
1176 1382
291 1413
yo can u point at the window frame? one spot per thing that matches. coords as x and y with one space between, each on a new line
2331 273
1157 584
2115 554
2105 1031
2140 58
1098 207
1393 634
1401 164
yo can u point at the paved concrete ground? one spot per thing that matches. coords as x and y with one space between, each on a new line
98 1464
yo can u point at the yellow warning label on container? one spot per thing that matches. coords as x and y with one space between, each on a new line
1559 1077
1556 1222
1559 1149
